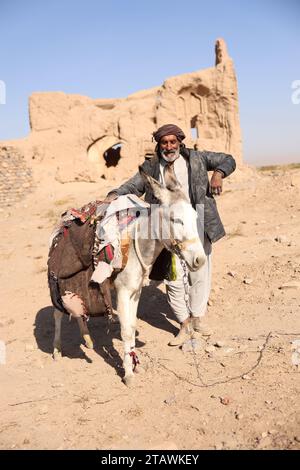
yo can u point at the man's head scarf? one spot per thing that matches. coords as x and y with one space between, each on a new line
169 129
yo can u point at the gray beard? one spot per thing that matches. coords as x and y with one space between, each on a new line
171 157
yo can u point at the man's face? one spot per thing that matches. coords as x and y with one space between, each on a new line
169 147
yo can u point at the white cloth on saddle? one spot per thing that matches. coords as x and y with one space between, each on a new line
108 231
102 271
128 201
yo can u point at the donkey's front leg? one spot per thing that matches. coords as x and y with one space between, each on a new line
127 333
134 300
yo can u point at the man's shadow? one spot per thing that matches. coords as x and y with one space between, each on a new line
153 309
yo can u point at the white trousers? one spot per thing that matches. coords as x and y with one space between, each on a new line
199 288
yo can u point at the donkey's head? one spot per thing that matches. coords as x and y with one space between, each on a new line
176 223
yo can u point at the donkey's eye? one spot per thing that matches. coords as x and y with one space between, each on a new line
178 221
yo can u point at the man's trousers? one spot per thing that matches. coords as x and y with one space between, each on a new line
199 288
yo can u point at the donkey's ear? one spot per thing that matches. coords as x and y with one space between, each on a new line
161 193
143 173
173 184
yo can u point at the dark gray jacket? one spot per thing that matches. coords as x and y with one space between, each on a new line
199 164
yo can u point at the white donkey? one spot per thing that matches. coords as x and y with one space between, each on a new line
176 230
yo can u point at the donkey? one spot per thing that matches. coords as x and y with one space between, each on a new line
176 230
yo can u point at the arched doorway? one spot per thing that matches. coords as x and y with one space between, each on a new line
112 155
106 151
194 128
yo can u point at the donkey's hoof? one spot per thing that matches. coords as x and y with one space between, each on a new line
88 342
139 370
128 380
56 354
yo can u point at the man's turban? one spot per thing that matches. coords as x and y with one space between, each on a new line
169 129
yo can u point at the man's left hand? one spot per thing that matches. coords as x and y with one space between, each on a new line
216 183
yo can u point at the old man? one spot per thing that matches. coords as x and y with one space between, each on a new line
190 168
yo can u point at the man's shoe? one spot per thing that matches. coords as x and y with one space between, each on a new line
199 327
185 333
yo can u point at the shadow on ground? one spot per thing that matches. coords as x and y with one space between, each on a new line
72 343
153 309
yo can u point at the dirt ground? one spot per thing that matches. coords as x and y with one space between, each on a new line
242 393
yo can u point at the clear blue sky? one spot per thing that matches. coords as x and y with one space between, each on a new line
115 47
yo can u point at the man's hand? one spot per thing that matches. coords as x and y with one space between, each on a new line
216 183
105 203
110 197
